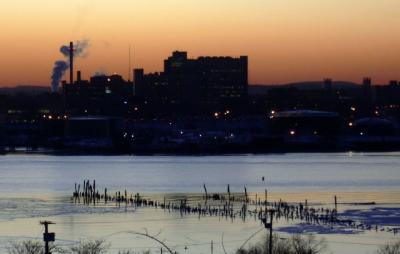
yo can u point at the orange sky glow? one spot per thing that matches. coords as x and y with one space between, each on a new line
286 40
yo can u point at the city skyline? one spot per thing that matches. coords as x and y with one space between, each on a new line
286 42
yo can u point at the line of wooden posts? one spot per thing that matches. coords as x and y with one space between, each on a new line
228 205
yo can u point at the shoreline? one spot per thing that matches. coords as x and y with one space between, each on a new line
183 152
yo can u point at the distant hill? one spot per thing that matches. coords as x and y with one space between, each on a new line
25 89
308 85
312 85
255 89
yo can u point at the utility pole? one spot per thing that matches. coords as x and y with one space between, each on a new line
269 226
335 204
212 247
47 237
270 231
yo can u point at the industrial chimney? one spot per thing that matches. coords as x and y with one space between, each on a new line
78 76
71 62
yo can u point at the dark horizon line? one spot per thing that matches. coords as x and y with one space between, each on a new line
313 82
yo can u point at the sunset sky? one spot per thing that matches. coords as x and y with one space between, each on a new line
286 40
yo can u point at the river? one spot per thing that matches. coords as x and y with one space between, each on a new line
38 187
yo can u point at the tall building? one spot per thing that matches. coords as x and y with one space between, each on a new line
328 85
104 95
367 86
393 83
201 81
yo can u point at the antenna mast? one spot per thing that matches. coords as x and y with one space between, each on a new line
129 67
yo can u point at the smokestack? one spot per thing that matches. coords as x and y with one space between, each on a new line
78 76
61 66
71 62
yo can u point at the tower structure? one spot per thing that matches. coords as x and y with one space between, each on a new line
71 62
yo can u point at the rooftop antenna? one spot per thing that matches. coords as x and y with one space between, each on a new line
129 60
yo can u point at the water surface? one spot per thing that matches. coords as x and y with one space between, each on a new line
35 187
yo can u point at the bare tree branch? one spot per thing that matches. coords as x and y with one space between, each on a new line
153 238
222 243
248 239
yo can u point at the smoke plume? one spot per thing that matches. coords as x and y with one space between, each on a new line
100 72
61 66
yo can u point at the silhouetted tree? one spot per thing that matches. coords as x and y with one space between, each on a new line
390 248
296 244
90 247
31 247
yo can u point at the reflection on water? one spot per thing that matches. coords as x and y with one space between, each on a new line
48 175
39 187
